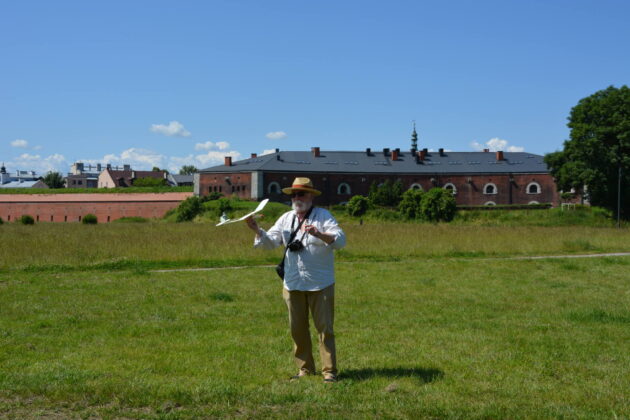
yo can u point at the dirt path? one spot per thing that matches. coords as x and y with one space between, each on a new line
533 257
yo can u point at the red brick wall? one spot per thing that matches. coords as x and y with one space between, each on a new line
468 192
239 184
71 207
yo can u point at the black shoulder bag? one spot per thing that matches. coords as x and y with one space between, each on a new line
280 267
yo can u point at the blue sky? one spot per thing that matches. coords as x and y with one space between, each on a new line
165 83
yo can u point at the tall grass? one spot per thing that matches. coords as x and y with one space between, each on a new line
159 244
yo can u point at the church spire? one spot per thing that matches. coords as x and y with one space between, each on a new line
414 137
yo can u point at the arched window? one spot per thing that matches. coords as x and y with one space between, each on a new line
490 203
533 188
490 188
273 188
533 202
451 188
416 186
343 189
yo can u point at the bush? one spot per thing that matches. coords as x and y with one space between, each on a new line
149 182
27 220
387 194
358 205
212 196
89 219
188 209
438 205
224 205
410 205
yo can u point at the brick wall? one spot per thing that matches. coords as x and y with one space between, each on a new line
72 207
239 184
470 189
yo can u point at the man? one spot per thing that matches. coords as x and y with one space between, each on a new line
309 278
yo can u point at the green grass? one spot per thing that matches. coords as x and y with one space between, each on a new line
417 338
119 246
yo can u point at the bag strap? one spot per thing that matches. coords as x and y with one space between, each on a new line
294 233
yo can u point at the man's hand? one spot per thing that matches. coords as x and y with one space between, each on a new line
312 230
252 224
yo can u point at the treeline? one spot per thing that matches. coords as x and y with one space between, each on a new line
435 205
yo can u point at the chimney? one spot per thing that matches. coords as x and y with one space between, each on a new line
228 161
368 151
395 154
486 150
109 166
98 167
277 150
423 154
385 151
500 155
254 155
426 151
315 151
126 167
441 152
413 151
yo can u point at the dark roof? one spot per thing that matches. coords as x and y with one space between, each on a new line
377 162
182 178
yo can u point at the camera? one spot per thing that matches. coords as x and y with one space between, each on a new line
296 246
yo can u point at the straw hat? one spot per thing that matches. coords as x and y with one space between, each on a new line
301 184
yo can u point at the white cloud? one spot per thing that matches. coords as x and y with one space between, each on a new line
173 129
220 145
37 147
496 144
19 143
29 162
276 135
267 152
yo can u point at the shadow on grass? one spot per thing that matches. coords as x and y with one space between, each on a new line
422 374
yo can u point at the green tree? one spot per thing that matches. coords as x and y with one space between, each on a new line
188 170
53 180
410 204
599 145
438 205
358 205
387 194
188 209
156 169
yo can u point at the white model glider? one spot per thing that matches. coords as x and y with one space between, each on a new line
225 221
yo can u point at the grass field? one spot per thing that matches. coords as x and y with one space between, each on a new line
432 322
467 338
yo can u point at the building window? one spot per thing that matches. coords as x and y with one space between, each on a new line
451 188
533 188
220 188
490 188
490 203
80 182
416 187
273 188
533 202
343 189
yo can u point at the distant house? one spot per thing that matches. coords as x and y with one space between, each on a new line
21 179
83 176
179 180
111 178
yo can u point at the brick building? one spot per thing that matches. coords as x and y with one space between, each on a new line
475 178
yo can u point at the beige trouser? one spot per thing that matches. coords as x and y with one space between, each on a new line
321 304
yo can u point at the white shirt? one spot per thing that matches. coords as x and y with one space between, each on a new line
312 268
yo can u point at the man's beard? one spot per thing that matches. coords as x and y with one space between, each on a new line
300 206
